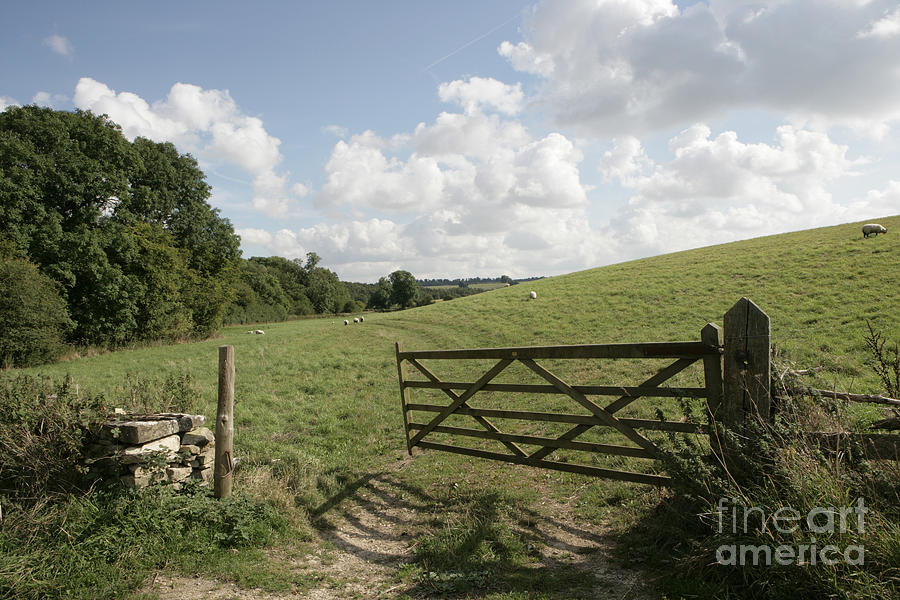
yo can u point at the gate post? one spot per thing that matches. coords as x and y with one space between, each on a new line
711 335
224 463
747 365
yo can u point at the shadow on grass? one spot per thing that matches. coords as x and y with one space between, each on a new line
457 542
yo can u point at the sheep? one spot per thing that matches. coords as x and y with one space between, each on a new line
260 332
533 295
346 322
355 320
361 319
873 229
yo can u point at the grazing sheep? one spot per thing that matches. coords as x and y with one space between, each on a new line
873 229
355 320
361 319
346 322
532 295
260 332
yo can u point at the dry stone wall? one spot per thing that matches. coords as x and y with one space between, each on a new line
140 450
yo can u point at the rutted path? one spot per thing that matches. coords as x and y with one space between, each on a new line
367 533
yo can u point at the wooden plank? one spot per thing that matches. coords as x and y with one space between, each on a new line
480 419
712 370
642 350
598 412
462 399
539 441
663 375
676 426
404 397
872 398
747 364
587 390
660 480
876 446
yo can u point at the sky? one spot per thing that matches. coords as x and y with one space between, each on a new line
481 138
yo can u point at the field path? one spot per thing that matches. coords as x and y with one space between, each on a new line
367 533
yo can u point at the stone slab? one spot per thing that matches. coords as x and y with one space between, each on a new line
138 432
141 478
200 437
176 474
189 449
170 445
185 421
205 475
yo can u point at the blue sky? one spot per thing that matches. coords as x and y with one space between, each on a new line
489 138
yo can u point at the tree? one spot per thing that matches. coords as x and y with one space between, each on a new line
124 228
293 278
381 297
403 288
33 317
325 291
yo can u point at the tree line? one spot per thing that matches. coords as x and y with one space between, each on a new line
105 242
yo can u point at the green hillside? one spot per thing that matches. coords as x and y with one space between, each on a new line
318 404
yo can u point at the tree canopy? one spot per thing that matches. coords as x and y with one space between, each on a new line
404 288
105 241
124 228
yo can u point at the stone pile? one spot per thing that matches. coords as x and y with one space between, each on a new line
161 448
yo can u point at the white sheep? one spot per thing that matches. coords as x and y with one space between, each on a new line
355 320
260 332
346 322
533 295
873 229
361 319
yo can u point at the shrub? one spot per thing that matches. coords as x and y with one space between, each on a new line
772 467
42 429
33 316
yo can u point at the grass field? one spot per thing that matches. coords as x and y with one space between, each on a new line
317 403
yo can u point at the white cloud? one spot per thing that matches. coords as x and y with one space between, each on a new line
887 26
616 67
207 122
626 159
59 44
282 243
336 130
49 100
479 93
6 102
524 58
876 203
718 189
469 193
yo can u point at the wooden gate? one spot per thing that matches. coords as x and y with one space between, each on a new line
709 350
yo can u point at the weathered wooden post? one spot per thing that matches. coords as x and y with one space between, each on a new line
224 424
747 366
711 335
